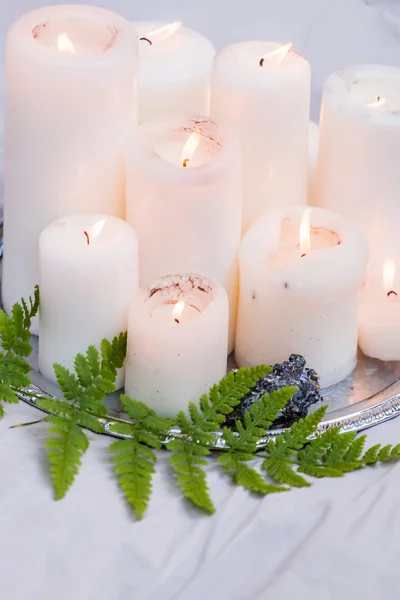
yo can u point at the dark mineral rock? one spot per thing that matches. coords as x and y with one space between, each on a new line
291 372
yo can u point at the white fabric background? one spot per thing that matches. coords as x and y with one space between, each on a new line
336 540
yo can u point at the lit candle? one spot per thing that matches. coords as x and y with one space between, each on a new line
300 271
358 164
262 91
184 200
88 279
177 342
175 70
379 312
70 105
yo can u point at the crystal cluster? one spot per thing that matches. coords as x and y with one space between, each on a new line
291 372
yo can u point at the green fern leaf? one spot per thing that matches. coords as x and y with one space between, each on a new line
395 453
134 465
113 353
371 455
187 462
62 408
340 446
281 452
384 453
15 343
68 382
134 458
7 394
243 445
282 471
355 451
242 474
88 421
65 450
83 370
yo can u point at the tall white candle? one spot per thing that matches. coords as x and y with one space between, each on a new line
175 70
70 105
298 291
262 91
313 143
184 199
358 176
88 279
177 342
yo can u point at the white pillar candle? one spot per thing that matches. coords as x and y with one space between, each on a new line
262 91
177 342
298 291
184 200
359 176
313 142
379 312
88 278
70 105
175 70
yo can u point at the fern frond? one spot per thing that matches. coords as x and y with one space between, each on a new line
64 451
339 447
134 465
281 452
134 458
187 461
15 344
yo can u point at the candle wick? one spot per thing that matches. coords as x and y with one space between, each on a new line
261 63
185 162
145 39
305 254
392 292
87 237
176 320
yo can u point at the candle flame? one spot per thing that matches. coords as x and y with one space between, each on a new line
190 147
96 229
305 232
379 102
389 272
277 56
64 44
164 32
178 310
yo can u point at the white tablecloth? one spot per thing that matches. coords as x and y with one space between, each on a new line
336 540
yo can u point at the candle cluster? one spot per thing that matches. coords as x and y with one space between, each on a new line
195 222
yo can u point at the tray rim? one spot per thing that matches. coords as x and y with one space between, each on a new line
386 407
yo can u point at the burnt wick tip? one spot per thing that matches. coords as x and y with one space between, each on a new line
261 63
176 321
392 293
185 162
87 237
145 39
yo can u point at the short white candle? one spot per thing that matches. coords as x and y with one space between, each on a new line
184 200
177 342
298 291
175 70
70 105
262 91
379 312
88 278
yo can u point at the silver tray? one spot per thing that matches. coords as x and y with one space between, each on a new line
369 396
